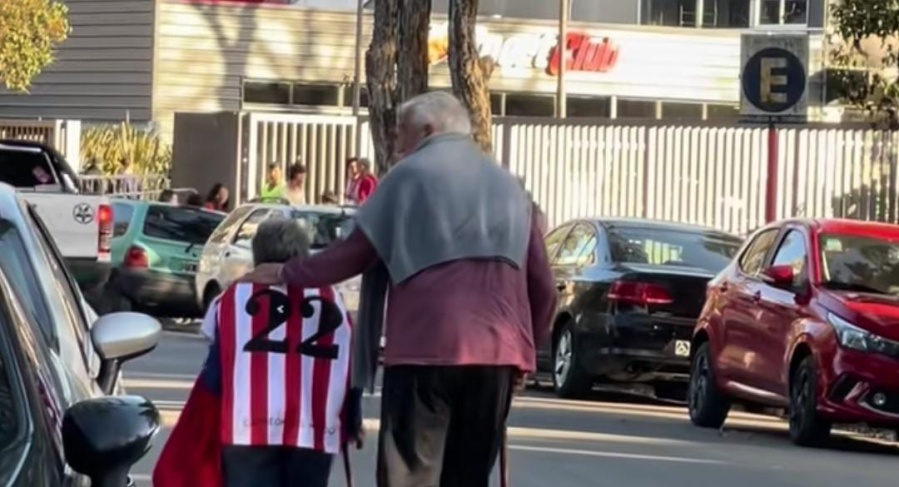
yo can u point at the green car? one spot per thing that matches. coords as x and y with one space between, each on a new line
155 251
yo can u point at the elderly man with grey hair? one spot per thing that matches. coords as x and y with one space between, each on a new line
449 241
280 363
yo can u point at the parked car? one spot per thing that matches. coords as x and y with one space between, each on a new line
630 293
227 254
44 428
805 318
83 222
155 253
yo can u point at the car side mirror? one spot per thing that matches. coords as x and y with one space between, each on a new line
780 276
125 335
104 437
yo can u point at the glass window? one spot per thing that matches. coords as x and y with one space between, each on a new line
792 252
17 266
496 104
324 228
248 228
181 223
10 419
588 107
672 247
732 14
530 105
722 112
682 111
25 168
578 246
267 92
317 95
754 256
220 235
636 109
554 239
121 218
859 263
783 12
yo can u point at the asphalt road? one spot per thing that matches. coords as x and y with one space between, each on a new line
600 442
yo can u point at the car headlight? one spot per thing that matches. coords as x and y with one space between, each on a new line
854 338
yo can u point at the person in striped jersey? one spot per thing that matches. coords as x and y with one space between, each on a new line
280 361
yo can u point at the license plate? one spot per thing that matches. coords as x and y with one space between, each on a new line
682 348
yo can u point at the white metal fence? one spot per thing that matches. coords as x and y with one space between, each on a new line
702 174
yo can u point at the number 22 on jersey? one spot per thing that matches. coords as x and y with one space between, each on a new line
279 309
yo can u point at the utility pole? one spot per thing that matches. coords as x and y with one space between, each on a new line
357 79
561 98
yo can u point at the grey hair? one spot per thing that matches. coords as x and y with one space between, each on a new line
279 240
439 109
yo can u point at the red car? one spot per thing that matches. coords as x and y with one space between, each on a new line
805 318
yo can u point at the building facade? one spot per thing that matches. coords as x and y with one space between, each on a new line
144 60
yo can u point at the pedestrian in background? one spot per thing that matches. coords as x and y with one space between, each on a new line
281 421
295 192
450 234
361 183
168 196
218 198
274 183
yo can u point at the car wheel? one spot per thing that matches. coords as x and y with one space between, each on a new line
708 407
569 379
113 300
806 426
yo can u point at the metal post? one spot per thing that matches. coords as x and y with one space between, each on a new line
771 184
357 79
561 98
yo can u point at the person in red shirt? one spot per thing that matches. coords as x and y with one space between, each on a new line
218 198
362 183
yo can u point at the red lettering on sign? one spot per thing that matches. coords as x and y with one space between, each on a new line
582 54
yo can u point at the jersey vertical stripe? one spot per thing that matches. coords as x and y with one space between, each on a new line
280 394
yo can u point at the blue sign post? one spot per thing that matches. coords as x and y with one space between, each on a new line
773 89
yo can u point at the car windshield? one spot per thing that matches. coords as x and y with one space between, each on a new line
707 250
181 223
857 263
325 228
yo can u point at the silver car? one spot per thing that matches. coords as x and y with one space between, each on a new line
227 255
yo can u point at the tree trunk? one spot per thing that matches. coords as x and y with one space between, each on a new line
380 79
412 59
466 69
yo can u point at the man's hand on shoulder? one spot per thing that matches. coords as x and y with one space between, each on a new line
269 274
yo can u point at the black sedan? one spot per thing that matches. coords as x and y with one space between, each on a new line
630 292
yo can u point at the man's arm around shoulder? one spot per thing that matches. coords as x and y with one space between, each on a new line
335 264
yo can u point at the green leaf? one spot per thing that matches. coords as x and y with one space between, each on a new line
29 32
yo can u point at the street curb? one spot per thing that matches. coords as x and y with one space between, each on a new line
171 326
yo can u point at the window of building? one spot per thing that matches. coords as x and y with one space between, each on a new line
728 14
636 108
577 106
684 111
722 112
497 104
268 92
316 95
783 12
530 105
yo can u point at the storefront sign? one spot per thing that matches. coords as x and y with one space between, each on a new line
532 51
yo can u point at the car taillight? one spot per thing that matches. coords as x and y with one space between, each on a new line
640 293
104 236
136 257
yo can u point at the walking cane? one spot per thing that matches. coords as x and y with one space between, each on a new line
347 468
504 461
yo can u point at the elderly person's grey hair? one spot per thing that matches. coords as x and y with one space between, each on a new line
279 240
439 109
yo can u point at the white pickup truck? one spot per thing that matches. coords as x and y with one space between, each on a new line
81 224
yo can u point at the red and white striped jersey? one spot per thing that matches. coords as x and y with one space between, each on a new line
285 364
